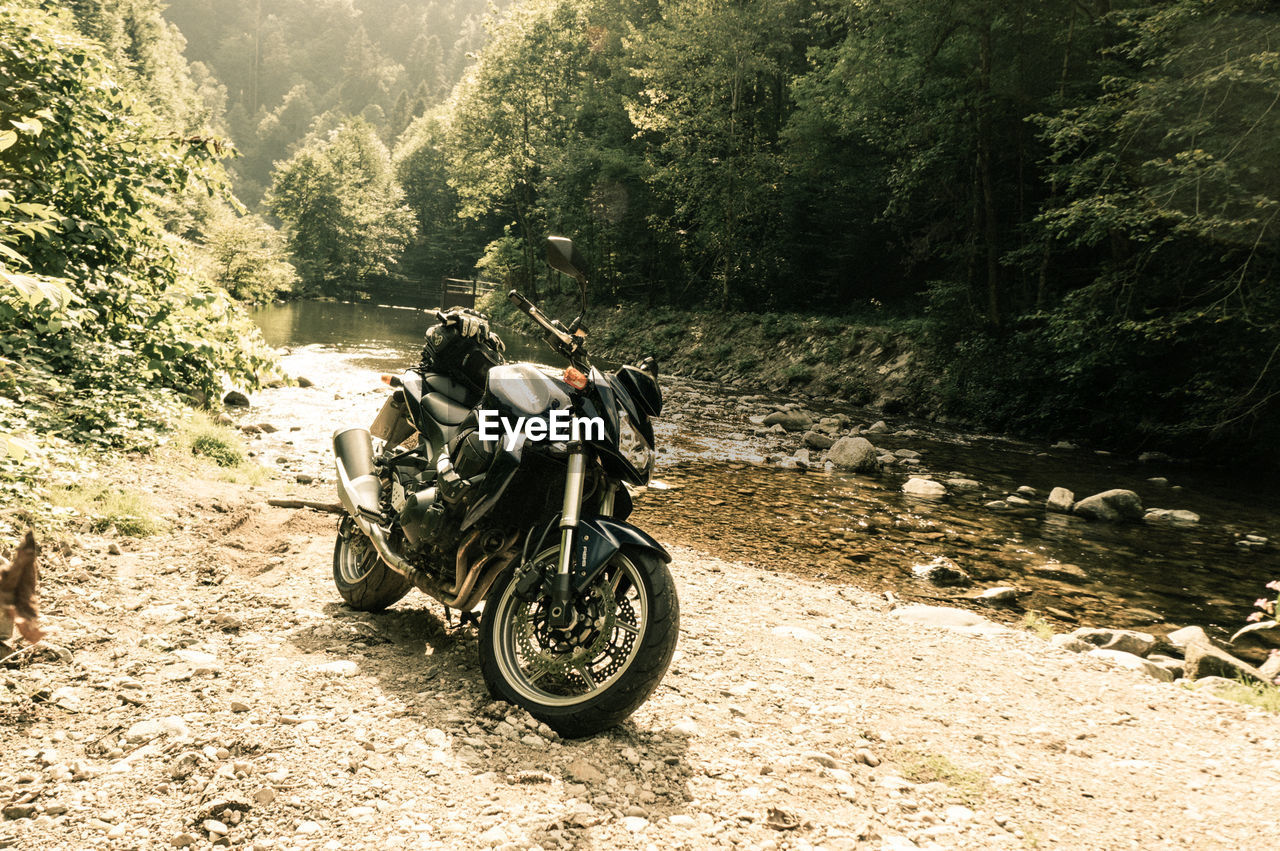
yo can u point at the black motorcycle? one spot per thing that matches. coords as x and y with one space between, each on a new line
580 616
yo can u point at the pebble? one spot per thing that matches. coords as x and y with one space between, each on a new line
635 824
182 840
308 828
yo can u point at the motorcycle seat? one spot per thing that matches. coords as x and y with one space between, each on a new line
446 401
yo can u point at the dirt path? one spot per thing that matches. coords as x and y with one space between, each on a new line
207 684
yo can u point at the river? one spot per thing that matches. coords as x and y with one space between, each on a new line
716 491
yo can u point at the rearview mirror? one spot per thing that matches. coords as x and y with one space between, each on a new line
564 257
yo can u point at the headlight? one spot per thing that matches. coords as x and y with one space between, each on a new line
633 446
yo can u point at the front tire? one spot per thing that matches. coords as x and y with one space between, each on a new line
362 577
582 683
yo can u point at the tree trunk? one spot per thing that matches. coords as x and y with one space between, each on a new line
991 227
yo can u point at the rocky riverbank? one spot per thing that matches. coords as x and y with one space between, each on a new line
204 688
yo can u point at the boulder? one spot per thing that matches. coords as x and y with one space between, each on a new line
1169 663
854 453
236 399
1112 505
1060 500
1270 669
816 440
1133 663
926 488
1026 491
878 427
1124 640
963 484
1205 660
942 571
790 420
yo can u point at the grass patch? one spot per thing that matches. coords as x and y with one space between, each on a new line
129 512
1264 697
202 437
970 786
1033 622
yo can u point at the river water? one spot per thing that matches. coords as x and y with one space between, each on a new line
717 492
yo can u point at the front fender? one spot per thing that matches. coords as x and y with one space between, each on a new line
597 539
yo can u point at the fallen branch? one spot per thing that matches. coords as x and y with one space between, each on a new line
330 507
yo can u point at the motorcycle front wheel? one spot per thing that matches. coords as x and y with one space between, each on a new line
590 677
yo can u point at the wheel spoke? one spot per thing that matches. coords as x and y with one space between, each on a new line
585 673
626 627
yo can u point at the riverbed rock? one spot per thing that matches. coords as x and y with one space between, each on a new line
1060 500
790 420
236 399
303 381
1270 669
1175 517
927 488
1133 663
960 620
854 453
1113 505
963 484
943 572
1003 595
1124 640
878 427
1063 572
1071 643
1205 660
816 440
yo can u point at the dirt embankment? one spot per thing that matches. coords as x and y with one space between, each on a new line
864 364
204 687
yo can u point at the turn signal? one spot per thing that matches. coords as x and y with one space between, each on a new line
575 379
386 379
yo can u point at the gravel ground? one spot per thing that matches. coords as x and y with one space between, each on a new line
206 688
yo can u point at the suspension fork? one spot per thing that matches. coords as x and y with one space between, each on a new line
562 614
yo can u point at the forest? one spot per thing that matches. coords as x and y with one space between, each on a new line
1071 206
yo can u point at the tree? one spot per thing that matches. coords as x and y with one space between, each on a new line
343 209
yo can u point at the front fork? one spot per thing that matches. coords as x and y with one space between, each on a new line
562 614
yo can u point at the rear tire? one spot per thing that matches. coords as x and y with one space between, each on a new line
362 577
628 669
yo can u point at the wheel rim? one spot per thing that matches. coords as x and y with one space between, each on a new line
355 557
553 669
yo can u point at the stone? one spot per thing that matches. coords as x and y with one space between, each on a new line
1060 500
304 479
343 668
1169 663
1205 660
1123 640
963 484
826 760
225 419
865 757
236 399
815 440
681 820
906 453
1063 572
1018 501
1027 491
145 731
584 772
634 824
1111 506
878 427
1133 663
926 488
1175 517
13 812
790 420
1002 595
264 795
1270 669
307 828
303 381
182 840
942 572
854 453
215 827
997 505
238 706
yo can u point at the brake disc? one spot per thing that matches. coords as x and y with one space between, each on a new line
540 659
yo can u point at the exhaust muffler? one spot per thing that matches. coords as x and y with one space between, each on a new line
360 491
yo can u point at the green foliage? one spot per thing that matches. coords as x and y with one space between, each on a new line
218 448
103 326
342 205
245 256
105 507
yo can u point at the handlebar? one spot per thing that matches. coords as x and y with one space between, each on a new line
566 343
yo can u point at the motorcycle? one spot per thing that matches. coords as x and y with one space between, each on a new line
580 615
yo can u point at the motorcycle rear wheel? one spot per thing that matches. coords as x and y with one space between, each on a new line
363 579
629 622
